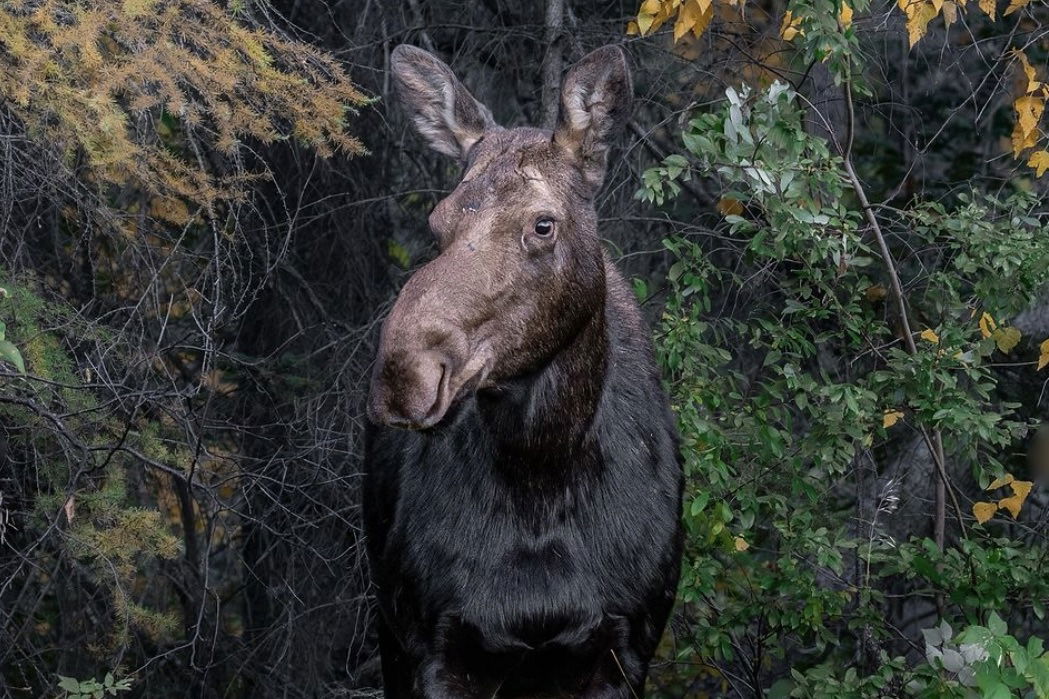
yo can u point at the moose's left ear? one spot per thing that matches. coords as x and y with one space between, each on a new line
596 98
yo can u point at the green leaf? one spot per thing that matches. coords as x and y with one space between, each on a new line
675 165
699 504
999 691
69 684
399 253
9 353
996 624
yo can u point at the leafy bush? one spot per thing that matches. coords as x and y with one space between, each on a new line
92 688
791 375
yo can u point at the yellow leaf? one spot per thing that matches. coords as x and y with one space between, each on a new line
999 482
790 27
704 19
1007 338
632 29
651 7
680 29
988 7
687 17
1039 161
1013 504
1021 141
728 206
845 15
875 293
950 13
1021 488
741 543
1029 110
983 511
929 335
890 418
1043 357
919 14
1029 71
1015 5
987 325
644 22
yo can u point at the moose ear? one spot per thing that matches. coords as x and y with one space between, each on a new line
596 98
443 111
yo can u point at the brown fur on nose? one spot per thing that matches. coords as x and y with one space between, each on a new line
424 356
412 389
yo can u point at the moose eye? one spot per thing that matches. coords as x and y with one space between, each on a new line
544 227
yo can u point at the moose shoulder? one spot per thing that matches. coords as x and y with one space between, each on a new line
523 482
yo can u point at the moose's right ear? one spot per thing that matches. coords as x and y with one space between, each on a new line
443 111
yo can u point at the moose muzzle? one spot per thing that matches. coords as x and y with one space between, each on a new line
425 359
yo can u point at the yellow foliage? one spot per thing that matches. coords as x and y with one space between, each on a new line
1029 106
1015 5
1029 110
929 335
987 325
983 511
1007 338
142 88
727 206
919 13
1022 488
1032 76
790 27
1039 160
740 543
999 482
890 418
950 12
690 17
875 292
1012 504
1043 354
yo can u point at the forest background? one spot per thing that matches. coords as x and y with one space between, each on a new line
832 211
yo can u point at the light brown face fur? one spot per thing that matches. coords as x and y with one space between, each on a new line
520 269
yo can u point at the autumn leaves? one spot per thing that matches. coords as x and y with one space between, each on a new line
983 511
693 17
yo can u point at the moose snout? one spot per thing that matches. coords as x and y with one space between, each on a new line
410 389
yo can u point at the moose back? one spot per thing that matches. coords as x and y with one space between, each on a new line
523 483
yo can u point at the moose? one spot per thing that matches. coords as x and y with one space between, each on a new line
523 480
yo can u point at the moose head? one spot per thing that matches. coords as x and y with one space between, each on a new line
521 270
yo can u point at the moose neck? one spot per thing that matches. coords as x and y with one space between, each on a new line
543 418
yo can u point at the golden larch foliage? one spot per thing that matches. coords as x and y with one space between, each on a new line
148 92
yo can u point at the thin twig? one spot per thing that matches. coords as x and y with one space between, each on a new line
933 442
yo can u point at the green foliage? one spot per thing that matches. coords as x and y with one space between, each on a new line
92 688
982 661
49 411
782 403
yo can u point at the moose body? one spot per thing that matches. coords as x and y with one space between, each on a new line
523 483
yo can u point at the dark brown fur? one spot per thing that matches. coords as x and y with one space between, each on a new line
524 536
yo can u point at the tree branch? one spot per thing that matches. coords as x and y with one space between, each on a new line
552 62
934 443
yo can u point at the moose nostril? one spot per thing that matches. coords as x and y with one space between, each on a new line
411 390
